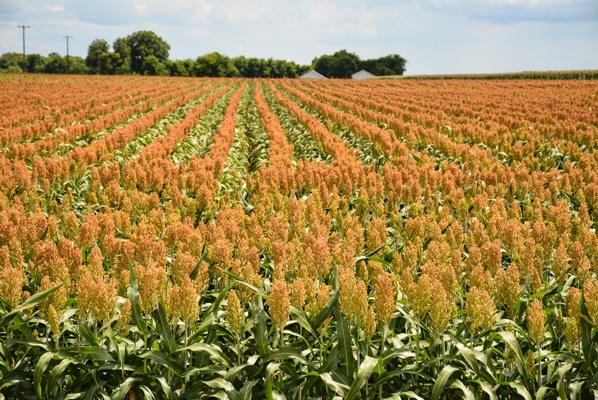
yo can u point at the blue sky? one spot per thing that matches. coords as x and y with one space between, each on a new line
435 36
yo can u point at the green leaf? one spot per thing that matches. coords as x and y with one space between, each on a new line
441 381
96 353
260 330
57 372
40 367
269 381
195 271
521 390
148 394
470 357
162 359
211 349
363 375
30 302
302 319
416 158
165 387
133 295
286 353
122 390
29 255
331 361
326 311
168 340
510 339
337 387
561 371
245 392
467 394
219 383
344 343
488 389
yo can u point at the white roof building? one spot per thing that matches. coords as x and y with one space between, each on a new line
363 74
313 74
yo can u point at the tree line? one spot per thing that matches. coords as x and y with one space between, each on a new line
146 53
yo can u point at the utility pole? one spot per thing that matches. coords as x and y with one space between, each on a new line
24 62
68 67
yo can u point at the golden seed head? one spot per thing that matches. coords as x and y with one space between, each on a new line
234 313
369 329
53 320
11 283
573 303
182 266
181 302
280 304
480 310
96 299
535 322
125 317
560 264
298 294
442 309
385 296
590 295
508 289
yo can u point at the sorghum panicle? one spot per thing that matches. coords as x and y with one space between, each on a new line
280 304
536 320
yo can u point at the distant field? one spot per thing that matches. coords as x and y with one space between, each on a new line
179 238
580 75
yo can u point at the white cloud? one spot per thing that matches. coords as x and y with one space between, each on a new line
435 36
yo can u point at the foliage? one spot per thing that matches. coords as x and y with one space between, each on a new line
143 44
215 65
343 64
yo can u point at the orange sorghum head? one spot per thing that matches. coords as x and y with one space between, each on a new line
480 310
234 313
369 329
280 304
536 320
385 296
590 295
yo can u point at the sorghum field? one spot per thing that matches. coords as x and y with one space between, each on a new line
216 238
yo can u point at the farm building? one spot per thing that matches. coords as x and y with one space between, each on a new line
363 74
312 74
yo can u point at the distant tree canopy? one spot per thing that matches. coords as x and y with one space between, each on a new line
146 53
343 64
144 44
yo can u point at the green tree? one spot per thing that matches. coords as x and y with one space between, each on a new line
77 65
180 68
341 64
11 62
392 64
144 44
96 51
322 64
152 66
122 48
215 65
56 64
36 63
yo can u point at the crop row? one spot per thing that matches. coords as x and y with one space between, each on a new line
276 238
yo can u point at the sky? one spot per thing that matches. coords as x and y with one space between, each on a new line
434 36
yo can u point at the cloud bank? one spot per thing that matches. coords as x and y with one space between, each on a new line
435 36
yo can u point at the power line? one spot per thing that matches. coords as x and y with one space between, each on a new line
24 63
68 67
